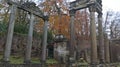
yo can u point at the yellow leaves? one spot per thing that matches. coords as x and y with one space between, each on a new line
46 6
65 20
60 1
60 24
39 26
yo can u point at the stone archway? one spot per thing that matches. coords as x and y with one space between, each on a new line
28 7
94 6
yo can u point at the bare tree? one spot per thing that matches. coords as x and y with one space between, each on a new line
112 25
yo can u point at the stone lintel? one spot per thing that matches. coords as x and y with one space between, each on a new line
38 13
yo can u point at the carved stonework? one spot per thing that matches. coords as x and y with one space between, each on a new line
100 15
99 1
46 18
82 1
31 5
72 12
28 7
92 8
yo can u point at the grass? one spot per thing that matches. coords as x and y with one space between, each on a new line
16 60
51 61
19 60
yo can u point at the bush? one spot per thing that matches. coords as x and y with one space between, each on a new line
3 28
21 28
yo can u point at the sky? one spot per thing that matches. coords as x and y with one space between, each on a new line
113 5
108 5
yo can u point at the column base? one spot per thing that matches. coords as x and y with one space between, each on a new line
4 62
43 63
94 65
102 65
102 61
107 65
27 62
71 61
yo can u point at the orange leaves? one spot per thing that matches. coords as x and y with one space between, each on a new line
39 26
81 24
47 5
60 24
59 20
60 1
65 25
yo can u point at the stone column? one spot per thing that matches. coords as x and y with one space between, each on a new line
107 50
44 42
10 34
29 40
101 39
94 57
72 33
86 55
72 38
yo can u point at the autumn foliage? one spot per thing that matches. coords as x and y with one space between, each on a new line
82 25
59 20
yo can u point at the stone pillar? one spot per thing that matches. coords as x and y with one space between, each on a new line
72 37
10 34
107 50
29 40
44 42
94 58
72 33
101 39
86 55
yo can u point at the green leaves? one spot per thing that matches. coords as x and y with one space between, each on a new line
21 28
3 28
50 37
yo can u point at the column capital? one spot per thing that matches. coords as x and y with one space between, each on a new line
72 12
92 8
100 15
45 18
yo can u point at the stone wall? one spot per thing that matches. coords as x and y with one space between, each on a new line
19 45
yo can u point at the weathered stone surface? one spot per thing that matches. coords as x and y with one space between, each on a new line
18 45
